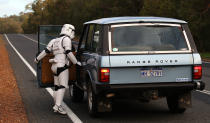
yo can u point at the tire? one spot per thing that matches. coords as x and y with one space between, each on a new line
173 104
76 94
91 101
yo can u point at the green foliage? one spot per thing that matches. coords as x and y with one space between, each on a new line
77 12
10 24
166 8
195 12
205 55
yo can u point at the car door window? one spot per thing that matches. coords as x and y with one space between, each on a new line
88 45
46 34
84 38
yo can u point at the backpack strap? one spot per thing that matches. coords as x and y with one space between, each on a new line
72 46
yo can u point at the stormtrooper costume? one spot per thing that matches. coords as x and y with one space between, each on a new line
61 49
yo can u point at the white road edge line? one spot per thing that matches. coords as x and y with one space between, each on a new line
21 57
70 113
205 92
31 39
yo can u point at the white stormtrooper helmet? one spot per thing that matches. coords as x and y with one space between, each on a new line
68 30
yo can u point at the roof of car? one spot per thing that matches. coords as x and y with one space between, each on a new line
115 20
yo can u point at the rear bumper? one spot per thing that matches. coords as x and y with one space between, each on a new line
187 86
154 86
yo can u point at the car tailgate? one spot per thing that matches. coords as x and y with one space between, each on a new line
132 69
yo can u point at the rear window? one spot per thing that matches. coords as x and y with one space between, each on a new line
148 38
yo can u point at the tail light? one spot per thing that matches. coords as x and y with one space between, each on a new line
197 72
104 75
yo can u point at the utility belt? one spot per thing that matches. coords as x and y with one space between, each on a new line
61 69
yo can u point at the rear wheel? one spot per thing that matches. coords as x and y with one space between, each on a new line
91 101
76 94
174 105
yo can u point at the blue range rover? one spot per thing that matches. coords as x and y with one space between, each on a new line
143 58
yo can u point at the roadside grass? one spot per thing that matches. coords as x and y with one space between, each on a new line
205 55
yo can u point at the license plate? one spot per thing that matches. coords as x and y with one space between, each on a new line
152 72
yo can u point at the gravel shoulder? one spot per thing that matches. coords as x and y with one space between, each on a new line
11 105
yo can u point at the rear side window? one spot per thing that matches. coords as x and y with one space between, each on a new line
93 36
148 38
96 36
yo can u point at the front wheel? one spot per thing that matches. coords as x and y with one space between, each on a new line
76 94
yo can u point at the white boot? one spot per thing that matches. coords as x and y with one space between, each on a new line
59 98
59 109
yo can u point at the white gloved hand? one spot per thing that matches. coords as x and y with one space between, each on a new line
36 61
52 61
79 63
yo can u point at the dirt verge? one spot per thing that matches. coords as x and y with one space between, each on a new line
11 105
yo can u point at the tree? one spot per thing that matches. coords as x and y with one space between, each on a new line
10 25
195 12
76 12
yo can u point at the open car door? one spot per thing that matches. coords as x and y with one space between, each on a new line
44 74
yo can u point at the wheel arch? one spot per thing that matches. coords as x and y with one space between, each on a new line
91 78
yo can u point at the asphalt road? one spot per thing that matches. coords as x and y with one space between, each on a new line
38 102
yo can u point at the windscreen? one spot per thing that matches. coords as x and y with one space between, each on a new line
148 38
